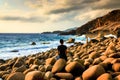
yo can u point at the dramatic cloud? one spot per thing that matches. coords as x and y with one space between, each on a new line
23 19
62 6
55 13
92 14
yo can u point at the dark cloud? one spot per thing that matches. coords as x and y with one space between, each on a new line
73 6
81 5
109 4
23 19
63 10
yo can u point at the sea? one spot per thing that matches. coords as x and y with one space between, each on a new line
18 44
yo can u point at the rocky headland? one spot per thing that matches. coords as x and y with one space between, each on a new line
107 24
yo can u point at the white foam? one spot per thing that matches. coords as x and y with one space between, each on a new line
111 35
5 53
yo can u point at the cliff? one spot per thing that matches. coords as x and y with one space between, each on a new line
109 24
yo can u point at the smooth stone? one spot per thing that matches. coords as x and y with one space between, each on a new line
116 67
59 65
50 61
93 72
16 76
34 75
117 77
75 68
19 62
48 75
19 69
105 76
27 71
66 76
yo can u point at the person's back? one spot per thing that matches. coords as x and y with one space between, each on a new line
62 50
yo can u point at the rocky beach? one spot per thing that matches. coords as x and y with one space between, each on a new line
98 59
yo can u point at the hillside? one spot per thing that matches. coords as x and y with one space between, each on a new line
109 23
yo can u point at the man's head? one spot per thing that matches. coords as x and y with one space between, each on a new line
61 41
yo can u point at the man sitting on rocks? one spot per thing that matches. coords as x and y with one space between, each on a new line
62 50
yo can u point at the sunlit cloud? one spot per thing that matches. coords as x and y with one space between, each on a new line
54 14
92 14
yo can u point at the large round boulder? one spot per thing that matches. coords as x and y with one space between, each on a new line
117 77
93 72
16 76
105 76
50 61
75 68
34 75
94 55
116 67
108 60
59 65
66 76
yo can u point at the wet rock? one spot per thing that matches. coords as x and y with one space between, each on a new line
59 65
71 40
75 68
93 72
33 43
14 51
105 76
2 61
34 75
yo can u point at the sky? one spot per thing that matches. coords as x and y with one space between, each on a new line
36 16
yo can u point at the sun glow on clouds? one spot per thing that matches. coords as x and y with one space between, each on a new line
49 15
